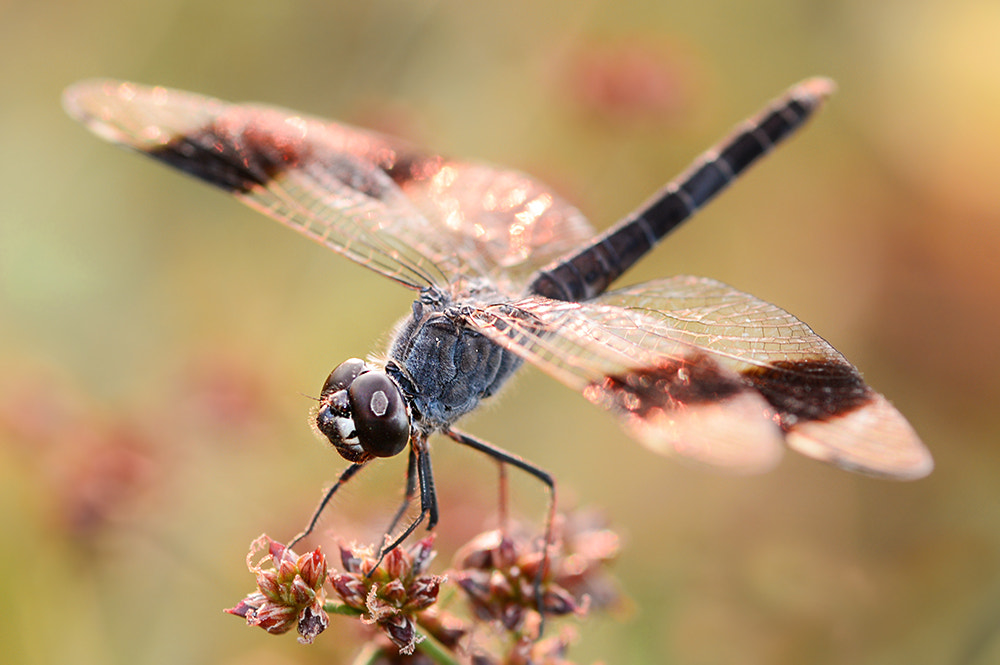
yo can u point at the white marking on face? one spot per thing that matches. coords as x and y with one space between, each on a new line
345 427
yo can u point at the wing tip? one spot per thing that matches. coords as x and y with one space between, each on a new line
87 102
79 97
874 440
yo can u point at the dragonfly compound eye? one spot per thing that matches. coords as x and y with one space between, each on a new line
379 413
343 375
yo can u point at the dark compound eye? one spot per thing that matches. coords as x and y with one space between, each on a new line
379 414
343 375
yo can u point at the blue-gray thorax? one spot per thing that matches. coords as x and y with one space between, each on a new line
442 365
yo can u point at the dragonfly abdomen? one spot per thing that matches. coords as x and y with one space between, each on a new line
591 270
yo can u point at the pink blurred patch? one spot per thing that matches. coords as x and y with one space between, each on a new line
626 82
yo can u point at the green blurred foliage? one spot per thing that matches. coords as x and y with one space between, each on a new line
156 338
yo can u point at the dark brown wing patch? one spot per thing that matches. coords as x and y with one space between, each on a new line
799 391
669 385
238 156
696 408
234 167
804 390
407 167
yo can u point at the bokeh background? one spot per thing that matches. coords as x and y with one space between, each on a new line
157 340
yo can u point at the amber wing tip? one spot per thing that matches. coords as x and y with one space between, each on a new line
84 100
71 100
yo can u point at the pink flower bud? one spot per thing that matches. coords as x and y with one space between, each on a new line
274 618
267 583
401 631
300 593
350 589
396 564
312 568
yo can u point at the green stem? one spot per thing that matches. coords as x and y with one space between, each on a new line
341 608
438 653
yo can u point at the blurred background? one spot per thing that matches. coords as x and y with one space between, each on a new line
157 339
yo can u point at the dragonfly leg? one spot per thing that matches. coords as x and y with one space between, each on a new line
411 491
421 460
503 457
344 477
503 496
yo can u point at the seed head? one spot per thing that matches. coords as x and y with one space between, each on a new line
389 594
289 591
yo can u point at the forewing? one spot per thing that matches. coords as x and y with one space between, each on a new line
698 368
417 218
510 224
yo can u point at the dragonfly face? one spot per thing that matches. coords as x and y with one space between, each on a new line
506 272
362 412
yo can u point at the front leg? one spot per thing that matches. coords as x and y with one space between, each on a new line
344 477
410 492
420 458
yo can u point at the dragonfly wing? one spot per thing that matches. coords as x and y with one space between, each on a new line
699 368
511 224
415 217
825 408
670 396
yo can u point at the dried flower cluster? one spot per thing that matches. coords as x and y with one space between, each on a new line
505 582
289 593
389 595
508 584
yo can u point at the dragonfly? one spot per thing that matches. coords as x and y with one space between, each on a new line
505 272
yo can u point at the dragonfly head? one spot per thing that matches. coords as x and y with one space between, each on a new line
362 412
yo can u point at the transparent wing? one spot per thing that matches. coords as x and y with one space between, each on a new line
416 218
504 223
697 368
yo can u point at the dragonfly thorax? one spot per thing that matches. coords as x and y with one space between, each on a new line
445 366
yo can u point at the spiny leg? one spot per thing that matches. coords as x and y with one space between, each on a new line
502 490
411 490
428 497
347 474
503 457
